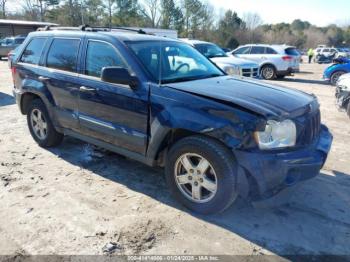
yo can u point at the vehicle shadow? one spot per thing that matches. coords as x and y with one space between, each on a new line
6 100
305 81
316 221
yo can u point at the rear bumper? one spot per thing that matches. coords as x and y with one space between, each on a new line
289 71
275 174
17 94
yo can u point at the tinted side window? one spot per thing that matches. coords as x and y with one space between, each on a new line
32 53
270 51
63 54
242 50
19 41
100 55
257 50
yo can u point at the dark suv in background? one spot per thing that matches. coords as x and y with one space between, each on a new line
217 136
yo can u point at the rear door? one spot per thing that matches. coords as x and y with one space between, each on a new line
61 79
112 113
257 54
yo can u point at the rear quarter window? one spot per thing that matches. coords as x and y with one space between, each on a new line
270 51
63 54
32 52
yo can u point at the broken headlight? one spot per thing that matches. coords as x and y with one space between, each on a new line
277 135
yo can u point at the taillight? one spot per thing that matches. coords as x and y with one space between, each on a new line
13 71
287 58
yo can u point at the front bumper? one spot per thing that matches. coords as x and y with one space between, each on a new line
275 173
342 98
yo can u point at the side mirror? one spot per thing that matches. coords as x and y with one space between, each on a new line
118 75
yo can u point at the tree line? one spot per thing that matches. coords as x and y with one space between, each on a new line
191 18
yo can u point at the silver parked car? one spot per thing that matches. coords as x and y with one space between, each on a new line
275 61
10 43
231 65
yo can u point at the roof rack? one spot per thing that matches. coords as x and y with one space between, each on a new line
88 28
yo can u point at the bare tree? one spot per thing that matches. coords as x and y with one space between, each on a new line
252 22
3 8
110 5
152 11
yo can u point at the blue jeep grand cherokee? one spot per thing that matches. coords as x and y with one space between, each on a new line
161 102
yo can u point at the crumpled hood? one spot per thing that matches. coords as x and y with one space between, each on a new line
264 99
231 60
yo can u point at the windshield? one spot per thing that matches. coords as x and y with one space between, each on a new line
170 62
210 50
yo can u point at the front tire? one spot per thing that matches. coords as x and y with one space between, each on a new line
335 77
40 125
348 109
268 72
202 174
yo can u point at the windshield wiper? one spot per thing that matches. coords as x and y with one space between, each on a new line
189 78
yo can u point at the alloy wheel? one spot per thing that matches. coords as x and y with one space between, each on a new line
39 124
268 72
195 177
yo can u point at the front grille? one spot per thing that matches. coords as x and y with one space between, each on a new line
250 72
311 129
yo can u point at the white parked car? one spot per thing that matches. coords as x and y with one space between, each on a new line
231 65
329 51
275 61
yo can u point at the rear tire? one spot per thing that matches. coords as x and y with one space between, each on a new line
205 188
268 72
335 77
348 109
40 125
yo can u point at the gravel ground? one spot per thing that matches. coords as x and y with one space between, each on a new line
76 199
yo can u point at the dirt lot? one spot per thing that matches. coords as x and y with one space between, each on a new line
75 199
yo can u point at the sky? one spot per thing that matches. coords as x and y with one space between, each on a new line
318 12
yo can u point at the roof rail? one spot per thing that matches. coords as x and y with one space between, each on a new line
91 29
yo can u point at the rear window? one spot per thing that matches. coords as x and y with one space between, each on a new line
32 52
63 54
292 51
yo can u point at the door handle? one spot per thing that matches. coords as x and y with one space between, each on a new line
87 89
43 78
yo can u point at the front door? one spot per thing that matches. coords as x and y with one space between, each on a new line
112 113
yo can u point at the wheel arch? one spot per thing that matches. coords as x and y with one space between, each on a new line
267 64
170 137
